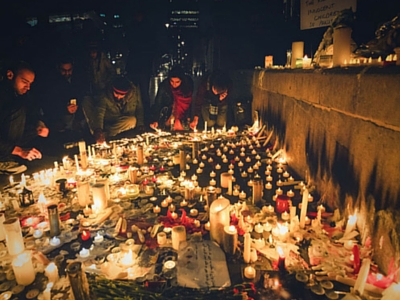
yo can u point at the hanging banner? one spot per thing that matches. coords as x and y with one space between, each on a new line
320 13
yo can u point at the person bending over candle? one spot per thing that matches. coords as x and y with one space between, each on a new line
212 99
117 110
172 107
19 119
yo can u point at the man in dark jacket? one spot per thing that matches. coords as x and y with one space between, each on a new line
212 99
18 122
61 100
117 110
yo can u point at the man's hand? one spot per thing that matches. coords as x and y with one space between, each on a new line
154 125
99 136
178 125
29 154
72 108
42 130
194 123
223 96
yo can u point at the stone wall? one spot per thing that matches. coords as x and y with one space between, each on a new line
342 127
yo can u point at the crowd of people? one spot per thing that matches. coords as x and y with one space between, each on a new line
68 105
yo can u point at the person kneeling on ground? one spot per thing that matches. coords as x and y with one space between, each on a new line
173 103
19 125
117 110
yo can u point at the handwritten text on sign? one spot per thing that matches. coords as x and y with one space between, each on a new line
320 13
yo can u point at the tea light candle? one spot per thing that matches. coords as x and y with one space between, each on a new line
87 211
213 182
250 183
164 203
307 220
279 183
210 160
55 241
279 191
218 167
194 177
291 179
195 161
236 192
244 174
242 195
248 159
286 174
267 227
212 174
269 178
199 170
310 198
242 154
183 203
290 193
207 226
174 215
250 170
51 272
156 209
194 212
240 164
38 233
98 238
85 235
285 216
201 165
84 252
258 228
172 207
249 272
268 186
204 157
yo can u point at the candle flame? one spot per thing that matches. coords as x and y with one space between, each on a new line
280 251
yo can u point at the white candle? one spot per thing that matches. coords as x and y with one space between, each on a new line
174 215
83 193
14 239
161 238
84 252
98 238
359 286
99 196
351 224
23 268
249 272
51 272
178 236
47 291
55 241
246 247
304 205
219 218
230 239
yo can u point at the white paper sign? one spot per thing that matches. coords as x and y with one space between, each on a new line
320 13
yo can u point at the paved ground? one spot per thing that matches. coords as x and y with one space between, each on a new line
53 149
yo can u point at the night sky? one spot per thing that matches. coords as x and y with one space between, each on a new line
247 29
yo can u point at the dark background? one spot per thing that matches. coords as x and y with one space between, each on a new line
240 32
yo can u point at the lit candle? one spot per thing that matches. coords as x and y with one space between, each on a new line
285 216
23 268
164 203
84 252
213 182
183 203
14 239
351 224
258 228
55 241
98 238
249 272
172 207
207 226
304 205
212 174
290 193
230 239
174 215
157 209
161 238
38 233
219 217
85 235
268 186
281 260
359 285
51 272
194 212
178 235
127 259
242 195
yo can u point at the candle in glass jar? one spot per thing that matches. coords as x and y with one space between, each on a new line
219 217
14 239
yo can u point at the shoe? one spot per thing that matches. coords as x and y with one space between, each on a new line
11 167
